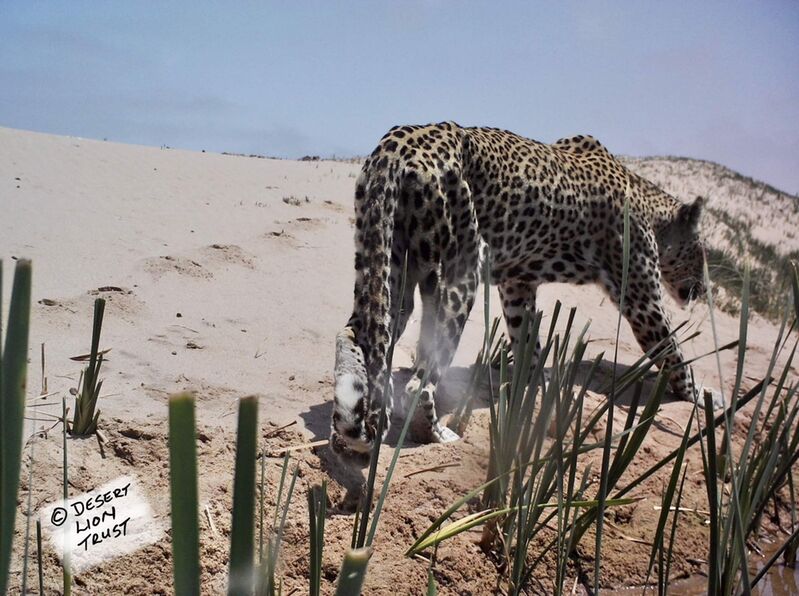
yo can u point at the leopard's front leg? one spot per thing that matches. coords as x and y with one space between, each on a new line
644 311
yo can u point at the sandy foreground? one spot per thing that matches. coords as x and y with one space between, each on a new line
230 276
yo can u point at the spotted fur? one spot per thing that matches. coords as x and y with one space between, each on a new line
447 196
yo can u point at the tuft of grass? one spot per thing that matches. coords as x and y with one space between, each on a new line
527 478
84 420
267 585
764 463
13 378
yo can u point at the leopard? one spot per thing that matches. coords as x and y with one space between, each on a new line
434 202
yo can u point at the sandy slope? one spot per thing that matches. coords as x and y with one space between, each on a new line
230 276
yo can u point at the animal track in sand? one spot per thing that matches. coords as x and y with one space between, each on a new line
308 223
335 207
230 253
282 232
281 237
159 266
120 302
302 223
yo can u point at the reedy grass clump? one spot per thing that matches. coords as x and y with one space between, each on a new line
244 578
739 487
86 415
13 378
534 479
267 584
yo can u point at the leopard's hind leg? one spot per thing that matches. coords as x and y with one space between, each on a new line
448 293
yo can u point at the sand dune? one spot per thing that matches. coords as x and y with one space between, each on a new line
230 276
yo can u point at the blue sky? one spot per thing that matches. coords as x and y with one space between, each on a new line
714 80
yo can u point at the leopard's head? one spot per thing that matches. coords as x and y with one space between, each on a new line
353 425
682 253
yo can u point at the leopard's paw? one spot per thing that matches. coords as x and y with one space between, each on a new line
717 399
443 434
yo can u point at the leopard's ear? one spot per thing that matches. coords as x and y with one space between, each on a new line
691 214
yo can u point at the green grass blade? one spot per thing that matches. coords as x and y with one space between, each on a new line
261 498
431 582
65 563
242 524
13 378
710 465
29 514
670 553
267 575
283 472
183 494
366 506
734 522
476 519
355 525
317 510
414 549
795 286
353 572
39 556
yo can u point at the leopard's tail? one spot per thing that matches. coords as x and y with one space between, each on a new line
361 371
